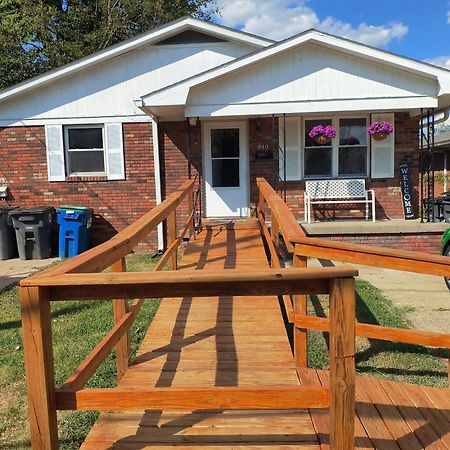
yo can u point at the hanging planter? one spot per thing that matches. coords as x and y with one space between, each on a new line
322 134
380 130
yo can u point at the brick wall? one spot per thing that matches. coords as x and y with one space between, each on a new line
424 242
174 155
116 203
387 191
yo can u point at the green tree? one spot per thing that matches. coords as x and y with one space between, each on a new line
39 35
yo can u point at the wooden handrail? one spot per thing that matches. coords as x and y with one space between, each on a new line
123 243
406 336
275 264
286 221
373 256
194 398
98 286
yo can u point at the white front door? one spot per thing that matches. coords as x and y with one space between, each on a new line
226 169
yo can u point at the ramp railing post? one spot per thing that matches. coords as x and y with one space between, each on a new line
300 307
38 352
171 237
121 307
342 363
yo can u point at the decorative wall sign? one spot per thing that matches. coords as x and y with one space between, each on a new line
407 195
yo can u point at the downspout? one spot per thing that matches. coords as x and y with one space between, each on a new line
158 190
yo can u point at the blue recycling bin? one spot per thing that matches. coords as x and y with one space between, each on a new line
74 230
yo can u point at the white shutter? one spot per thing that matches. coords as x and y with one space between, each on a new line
293 154
55 152
382 152
114 151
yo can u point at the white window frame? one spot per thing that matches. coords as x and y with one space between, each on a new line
67 150
335 146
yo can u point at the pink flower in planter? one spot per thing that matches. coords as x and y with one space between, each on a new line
380 127
323 130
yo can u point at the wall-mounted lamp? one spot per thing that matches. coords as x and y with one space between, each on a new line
4 192
193 121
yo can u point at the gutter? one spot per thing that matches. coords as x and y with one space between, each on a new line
158 189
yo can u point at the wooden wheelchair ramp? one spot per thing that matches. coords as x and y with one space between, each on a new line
242 341
212 341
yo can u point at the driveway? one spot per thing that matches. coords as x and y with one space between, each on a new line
13 270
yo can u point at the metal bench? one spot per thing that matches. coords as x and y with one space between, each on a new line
338 191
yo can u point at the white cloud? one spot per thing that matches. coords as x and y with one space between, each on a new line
443 61
448 17
279 19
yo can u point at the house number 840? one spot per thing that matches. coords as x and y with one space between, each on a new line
263 147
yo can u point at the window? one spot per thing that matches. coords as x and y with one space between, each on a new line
85 150
352 154
318 158
346 156
225 157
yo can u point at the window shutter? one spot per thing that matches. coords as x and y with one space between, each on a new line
382 157
293 159
114 151
55 152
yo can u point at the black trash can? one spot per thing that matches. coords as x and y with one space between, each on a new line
8 244
33 231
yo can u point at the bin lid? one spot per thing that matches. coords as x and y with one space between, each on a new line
4 209
31 211
76 208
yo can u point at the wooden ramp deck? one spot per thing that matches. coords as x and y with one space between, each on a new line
242 341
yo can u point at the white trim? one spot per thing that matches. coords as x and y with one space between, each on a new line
242 125
74 120
157 165
152 36
67 150
311 107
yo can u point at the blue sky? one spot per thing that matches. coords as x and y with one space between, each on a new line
419 29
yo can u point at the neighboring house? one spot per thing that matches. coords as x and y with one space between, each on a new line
115 130
442 161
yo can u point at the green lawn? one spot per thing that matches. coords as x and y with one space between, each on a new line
79 326
393 361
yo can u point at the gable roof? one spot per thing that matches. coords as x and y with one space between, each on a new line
178 92
153 36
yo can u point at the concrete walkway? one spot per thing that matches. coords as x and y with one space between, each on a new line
426 295
13 270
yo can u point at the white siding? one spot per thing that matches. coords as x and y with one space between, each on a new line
312 74
108 90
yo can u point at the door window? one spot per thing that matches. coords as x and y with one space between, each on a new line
225 157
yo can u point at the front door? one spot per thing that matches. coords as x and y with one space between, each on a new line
226 169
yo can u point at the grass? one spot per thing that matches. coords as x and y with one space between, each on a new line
393 361
77 328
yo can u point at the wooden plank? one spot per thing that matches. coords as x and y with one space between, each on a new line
193 398
413 416
379 332
121 308
342 363
362 438
191 283
92 362
374 256
172 238
300 307
38 357
275 264
288 224
391 417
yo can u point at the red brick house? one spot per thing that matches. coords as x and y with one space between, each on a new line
122 128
